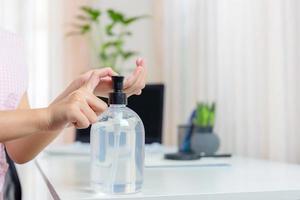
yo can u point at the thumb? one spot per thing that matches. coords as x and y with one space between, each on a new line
92 82
140 62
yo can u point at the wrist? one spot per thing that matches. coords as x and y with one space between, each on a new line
43 119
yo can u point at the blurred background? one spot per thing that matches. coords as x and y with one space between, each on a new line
242 55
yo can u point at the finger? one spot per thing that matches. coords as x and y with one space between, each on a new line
79 119
138 84
140 62
106 84
92 82
142 80
139 92
89 113
141 83
107 71
96 75
137 88
134 76
96 104
104 87
130 81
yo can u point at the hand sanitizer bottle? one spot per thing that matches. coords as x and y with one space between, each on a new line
117 146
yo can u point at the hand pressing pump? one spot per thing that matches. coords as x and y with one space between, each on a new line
117 146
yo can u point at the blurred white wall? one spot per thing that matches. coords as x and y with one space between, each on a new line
245 56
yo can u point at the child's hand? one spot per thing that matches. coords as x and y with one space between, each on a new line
132 84
80 107
137 80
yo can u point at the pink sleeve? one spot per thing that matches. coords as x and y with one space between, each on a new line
13 83
13 70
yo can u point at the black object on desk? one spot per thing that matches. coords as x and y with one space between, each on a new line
192 156
182 156
149 106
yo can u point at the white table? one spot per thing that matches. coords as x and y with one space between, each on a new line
231 178
33 185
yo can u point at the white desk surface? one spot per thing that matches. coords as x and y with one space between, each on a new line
230 178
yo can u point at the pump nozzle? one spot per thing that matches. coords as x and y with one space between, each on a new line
117 96
117 83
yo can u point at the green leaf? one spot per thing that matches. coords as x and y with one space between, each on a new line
91 12
213 107
85 28
119 43
108 29
103 56
205 115
133 19
114 43
128 54
211 119
78 29
115 16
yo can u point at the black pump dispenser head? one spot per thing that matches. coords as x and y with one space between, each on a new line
117 96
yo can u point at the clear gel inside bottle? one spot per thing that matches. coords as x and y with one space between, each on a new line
117 147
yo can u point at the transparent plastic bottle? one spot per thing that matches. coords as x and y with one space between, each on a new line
117 147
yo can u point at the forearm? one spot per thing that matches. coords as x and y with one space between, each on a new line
32 145
21 123
24 149
79 108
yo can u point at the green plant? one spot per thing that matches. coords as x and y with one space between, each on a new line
109 36
205 115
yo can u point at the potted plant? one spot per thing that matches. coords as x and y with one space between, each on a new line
204 118
107 37
198 136
203 139
107 32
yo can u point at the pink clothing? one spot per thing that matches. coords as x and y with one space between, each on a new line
13 83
